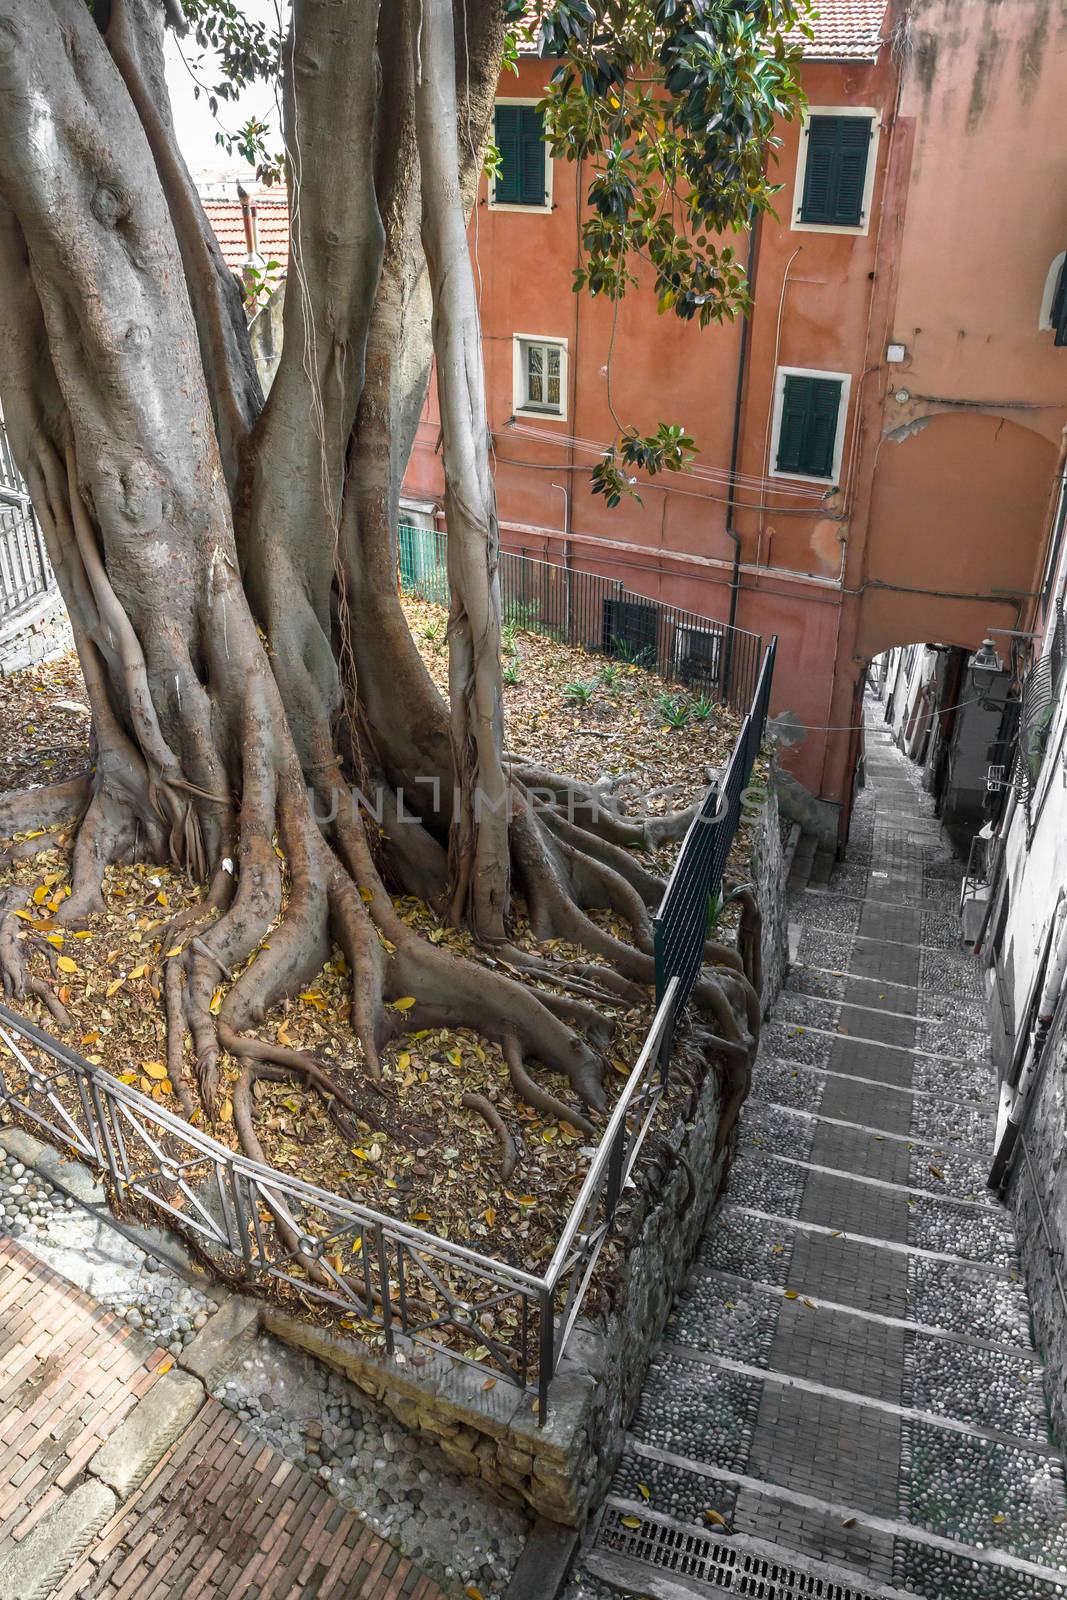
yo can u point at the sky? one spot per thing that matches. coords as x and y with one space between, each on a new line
194 124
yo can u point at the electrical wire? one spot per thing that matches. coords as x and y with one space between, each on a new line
857 727
709 474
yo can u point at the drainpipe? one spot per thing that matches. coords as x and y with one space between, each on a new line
1029 1075
751 268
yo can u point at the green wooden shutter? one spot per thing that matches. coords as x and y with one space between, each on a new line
807 432
532 155
506 139
520 138
835 172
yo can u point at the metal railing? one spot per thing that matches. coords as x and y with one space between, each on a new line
599 614
388 1277
25 572
693 893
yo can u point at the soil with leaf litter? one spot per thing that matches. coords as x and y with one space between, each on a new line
419 1154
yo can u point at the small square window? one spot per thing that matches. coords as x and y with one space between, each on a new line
540 376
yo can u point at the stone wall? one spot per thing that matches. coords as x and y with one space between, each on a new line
1038 1197
37 634
492 1430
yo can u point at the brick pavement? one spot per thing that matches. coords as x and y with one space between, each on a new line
218 1514
849 1377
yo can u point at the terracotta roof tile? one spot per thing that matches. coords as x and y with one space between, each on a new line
846 30
272 221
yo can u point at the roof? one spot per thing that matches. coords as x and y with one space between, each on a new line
272 224
845 30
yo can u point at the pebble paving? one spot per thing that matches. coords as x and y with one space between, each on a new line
888 1418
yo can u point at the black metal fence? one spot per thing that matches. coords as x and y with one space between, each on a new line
595 613
25 572
692 899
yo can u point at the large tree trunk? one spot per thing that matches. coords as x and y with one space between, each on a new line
231 574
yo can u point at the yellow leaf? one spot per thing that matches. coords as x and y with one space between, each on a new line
40 894
366 895
161 898
791 1294
113 987
490 1215
490 1383
630 1522
226 1111
127 1077
716 1518
404 1004
938 1173
216 1002
26 916
283 1033
175 950
167 1086
337 1261
646 1492
144 1084
998 1517
65 964
90 1038
54 939
165 1366
403 1061
527 1200
420 1216
139 972
455 1057
83 933
154 1069
472 1592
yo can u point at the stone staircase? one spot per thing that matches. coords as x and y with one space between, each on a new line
846 1403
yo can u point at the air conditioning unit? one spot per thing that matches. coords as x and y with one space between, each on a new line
996 778
698 656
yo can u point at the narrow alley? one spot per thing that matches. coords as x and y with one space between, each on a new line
846 1401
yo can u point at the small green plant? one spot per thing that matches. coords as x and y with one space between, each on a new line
611 676
579 694
634 657
715 910
507 639
674 713
703 708
433 633
511 673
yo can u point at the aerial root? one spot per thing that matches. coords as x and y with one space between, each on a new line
55 1005
539 1098
509 1155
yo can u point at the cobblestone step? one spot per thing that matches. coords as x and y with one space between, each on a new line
942 1168
882 1546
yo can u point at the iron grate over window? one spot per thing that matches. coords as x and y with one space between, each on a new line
728 1567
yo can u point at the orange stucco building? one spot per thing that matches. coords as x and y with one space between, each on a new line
915 310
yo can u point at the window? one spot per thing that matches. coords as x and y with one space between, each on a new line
835 170
525 172
540 375
809 424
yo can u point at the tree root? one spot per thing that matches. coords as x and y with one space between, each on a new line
55 1005
509 1155
539 1098
54 806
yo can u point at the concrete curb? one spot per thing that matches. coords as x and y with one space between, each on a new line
129 1455
38 1565
222 1341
